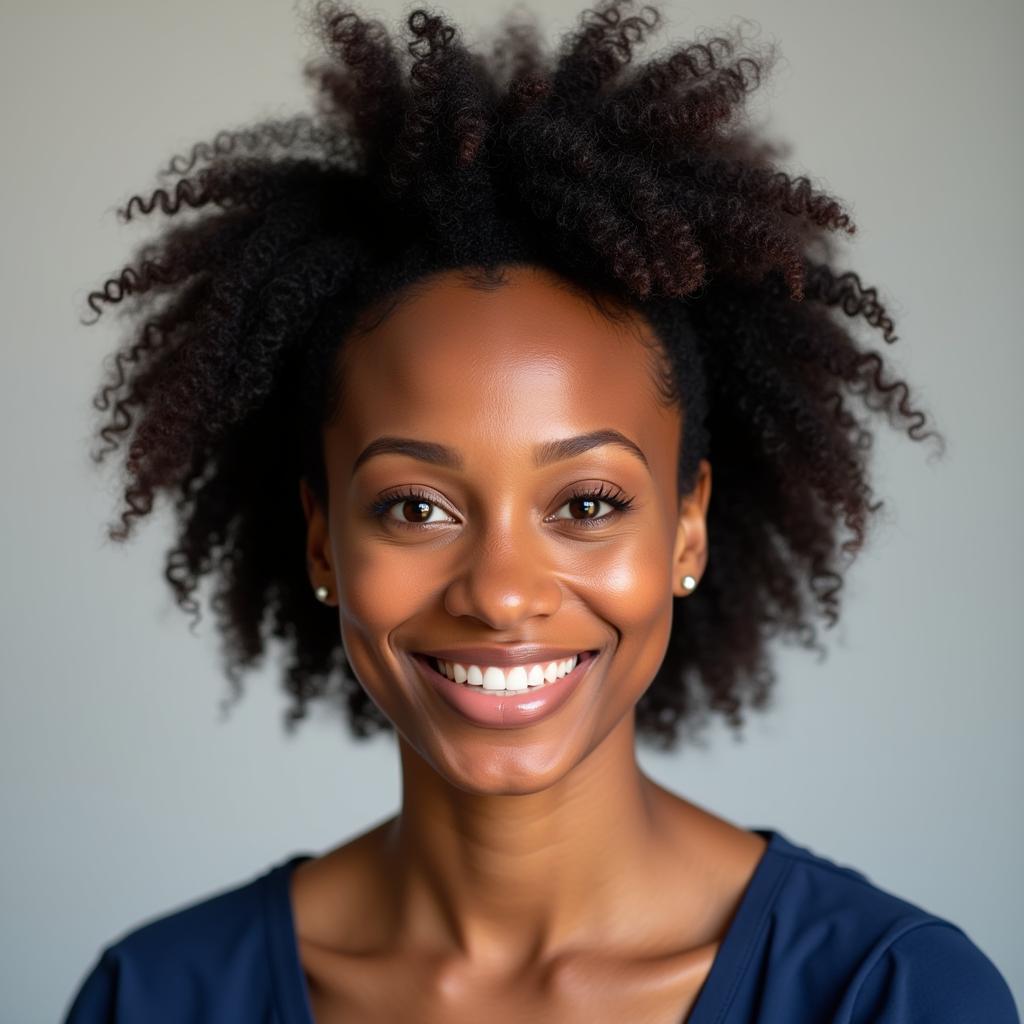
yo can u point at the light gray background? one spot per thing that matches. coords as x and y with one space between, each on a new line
124 794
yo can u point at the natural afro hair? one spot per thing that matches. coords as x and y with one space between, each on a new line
641 184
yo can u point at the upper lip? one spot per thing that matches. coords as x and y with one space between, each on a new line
504 654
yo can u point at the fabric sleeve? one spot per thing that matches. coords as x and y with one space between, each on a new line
934 973
96 999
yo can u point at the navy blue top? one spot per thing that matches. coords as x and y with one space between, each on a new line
812 941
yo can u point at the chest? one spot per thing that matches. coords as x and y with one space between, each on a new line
347 990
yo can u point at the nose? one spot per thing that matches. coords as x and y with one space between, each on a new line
505 580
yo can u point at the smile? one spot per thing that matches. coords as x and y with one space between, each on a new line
514 679
498 706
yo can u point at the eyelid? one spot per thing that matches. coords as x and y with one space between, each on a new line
380 507
608 493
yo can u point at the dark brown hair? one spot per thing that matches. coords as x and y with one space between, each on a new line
639 181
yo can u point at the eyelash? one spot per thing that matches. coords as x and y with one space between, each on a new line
616 498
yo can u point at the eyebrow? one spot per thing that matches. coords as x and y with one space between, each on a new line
543 454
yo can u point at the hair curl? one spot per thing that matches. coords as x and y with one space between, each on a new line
635 181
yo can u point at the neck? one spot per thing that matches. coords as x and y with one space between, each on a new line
515 878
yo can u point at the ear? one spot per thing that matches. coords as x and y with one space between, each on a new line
691 549
318 539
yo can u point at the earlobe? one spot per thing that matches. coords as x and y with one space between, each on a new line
690 554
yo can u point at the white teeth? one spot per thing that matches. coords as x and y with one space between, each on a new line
516 679
494 678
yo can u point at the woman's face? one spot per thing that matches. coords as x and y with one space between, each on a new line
483 533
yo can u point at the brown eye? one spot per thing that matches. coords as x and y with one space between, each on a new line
586 506
416 511
407 508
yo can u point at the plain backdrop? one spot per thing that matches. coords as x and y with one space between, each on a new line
125 793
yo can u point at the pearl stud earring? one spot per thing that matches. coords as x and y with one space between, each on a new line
321 593
688 582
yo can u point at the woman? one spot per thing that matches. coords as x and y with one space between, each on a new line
442 382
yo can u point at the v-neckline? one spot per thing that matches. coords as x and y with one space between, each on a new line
734 955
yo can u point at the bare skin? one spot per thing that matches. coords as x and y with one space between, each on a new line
535 872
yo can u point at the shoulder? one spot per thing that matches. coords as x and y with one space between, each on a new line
879 958
207 960
932 971
859 953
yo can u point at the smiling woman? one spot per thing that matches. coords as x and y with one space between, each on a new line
539 521
513 395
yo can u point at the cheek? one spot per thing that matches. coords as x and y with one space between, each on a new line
376 589
376 594
631 589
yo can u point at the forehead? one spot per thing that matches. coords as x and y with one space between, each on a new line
526 360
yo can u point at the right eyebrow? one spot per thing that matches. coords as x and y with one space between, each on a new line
425 451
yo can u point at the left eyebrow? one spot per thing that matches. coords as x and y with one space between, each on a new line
543 454
570 447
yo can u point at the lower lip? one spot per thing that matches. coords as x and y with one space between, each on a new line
483 707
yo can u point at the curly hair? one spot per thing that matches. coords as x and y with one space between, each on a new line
638 182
